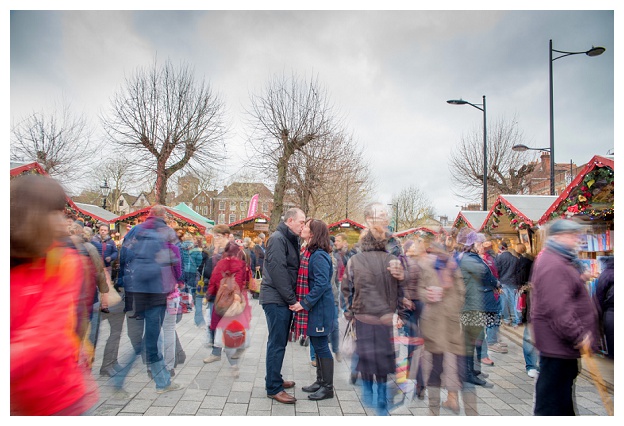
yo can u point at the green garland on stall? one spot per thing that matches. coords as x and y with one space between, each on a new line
580 198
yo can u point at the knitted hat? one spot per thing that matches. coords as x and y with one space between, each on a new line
564 226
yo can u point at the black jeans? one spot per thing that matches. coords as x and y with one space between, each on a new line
554 390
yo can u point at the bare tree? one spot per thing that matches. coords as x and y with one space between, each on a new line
119 175
325 173
289 114
58 140
507 169
171 120
411 208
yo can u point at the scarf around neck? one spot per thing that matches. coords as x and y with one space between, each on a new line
566 253
300 323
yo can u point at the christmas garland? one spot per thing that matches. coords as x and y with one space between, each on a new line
579 200
515 221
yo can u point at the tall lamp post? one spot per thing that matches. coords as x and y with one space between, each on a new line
104 190
594 51
478 106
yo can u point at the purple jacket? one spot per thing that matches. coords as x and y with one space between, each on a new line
561 309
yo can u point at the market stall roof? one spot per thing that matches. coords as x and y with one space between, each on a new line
524 211
589 193
411 231
18 168
346 223
249 219
184 208
176 213
472 218
96 212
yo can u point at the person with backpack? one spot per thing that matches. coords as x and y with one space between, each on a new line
228 282
191 259
147 270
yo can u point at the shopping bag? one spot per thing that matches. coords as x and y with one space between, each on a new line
348 338
255 282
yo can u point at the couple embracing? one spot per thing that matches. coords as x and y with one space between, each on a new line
298 282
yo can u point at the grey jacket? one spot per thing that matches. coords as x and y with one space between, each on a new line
280 269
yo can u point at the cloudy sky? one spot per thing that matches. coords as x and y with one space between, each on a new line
388 72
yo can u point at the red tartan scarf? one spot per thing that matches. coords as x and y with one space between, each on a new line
300 323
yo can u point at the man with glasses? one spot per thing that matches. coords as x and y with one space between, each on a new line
277 293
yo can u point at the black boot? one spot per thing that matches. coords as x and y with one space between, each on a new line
327 375
470 375
319 380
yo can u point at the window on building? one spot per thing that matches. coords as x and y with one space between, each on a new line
232 218
232 206
221 206
265 207
242 206
221 218
121 203
204 211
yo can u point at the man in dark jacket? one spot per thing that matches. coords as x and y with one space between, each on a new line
563 317
277 293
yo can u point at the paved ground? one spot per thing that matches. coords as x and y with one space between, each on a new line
210 390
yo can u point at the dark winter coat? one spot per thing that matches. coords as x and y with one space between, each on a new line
319 302
480 284
369 289
506 266
561 309
281 266
110 249
523 270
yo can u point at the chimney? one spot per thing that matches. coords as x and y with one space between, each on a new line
545 157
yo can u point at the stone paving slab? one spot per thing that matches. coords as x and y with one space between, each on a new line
210 389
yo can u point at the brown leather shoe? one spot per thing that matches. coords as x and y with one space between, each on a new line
288 384
283 397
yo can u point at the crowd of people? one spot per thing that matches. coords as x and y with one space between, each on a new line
441 301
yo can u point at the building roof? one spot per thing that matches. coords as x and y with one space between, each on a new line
569 196
239 190
473 219
415 230
18 168
131 199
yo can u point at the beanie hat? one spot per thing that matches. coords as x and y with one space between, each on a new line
564 226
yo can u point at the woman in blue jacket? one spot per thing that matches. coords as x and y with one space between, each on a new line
480 306
319 304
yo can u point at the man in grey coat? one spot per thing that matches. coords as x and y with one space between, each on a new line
277 293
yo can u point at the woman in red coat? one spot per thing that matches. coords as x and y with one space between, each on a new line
232 262
49 374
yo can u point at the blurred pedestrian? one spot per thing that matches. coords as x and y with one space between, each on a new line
480 307
49 374
191 259
315 308
563 316
232 264
605 304
373 297
506 266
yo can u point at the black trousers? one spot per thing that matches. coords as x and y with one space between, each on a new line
554 391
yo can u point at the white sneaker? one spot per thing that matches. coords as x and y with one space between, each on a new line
171 387
212 358
532 373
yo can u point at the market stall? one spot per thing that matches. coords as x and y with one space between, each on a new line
514 218
589 199
178 219
349 227
250 226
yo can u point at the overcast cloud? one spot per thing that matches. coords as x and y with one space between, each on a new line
388 72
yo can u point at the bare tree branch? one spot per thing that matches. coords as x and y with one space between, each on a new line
412 207
507 169
174 120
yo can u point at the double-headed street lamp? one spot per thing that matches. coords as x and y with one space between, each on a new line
594 51
478 106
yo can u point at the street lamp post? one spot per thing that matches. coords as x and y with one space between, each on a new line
521 148
104 190
463 102
594 51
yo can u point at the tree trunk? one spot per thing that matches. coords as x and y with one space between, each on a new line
280 190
